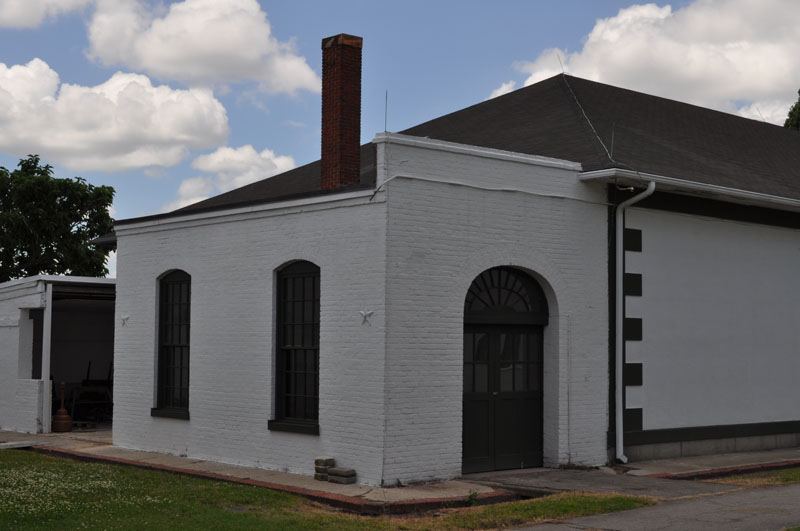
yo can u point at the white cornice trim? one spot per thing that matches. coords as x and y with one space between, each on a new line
671 184
477 151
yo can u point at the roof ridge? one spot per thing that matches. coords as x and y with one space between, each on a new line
586 117
586 123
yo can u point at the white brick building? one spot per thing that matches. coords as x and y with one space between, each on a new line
445 300
55 329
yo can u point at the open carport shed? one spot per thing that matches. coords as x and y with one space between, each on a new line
55 329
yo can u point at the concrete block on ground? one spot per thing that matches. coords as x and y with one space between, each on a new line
321 477
341 472
325 461
342 480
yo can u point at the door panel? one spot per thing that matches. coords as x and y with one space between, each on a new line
478 442
502 397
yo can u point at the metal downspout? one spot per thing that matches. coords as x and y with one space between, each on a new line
620 314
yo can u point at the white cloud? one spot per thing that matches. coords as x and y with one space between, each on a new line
124 123
231 168
156 172
505 88
199 42
31 13
730 55
772 111
235 167
191 191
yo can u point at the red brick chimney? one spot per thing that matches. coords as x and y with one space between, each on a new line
341 110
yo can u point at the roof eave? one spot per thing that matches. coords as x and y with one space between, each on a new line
623 177
31 281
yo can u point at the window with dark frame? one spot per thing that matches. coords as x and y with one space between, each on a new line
174 312
297 349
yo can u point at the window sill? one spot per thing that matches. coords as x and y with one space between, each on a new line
293 426
170 413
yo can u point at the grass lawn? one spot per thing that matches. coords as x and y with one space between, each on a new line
763 479
40 492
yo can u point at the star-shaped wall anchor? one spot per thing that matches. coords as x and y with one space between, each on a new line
125 320
365 315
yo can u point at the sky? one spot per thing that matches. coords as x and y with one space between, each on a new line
170 102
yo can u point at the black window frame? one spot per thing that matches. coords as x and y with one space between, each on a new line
174 338
297 320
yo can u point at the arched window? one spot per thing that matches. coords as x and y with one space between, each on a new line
174 312
297 349
505 295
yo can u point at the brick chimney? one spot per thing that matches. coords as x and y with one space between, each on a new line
341 110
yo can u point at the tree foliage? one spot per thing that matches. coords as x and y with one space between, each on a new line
793 120
46 224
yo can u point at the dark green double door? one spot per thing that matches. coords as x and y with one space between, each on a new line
502 423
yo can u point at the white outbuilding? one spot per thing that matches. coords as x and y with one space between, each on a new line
55 329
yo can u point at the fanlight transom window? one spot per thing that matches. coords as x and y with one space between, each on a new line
505 295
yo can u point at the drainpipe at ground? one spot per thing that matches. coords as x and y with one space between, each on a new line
620 315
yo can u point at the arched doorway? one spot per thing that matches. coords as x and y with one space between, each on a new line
505 313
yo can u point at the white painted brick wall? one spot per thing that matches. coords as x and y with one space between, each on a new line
721 316
441 236
27 406
398 420
232 266
19 407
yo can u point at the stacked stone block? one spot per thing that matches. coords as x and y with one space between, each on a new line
321 467
345 476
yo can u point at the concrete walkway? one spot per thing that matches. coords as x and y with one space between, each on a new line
706 466
545 481
644 478
761 509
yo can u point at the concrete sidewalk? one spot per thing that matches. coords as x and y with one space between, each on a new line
546 481
647 478
643 478
709 466
759 509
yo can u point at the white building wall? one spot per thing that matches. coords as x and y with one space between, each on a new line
20 396
720 313
440 237
232 260
26 412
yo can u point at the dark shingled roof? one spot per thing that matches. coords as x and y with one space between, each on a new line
650 135
299 182
294 184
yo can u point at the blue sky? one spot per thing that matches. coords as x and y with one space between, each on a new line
161 100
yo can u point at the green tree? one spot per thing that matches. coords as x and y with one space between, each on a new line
793 120
46 224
